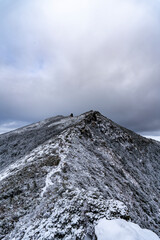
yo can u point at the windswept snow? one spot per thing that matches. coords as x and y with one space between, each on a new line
61 149
120 229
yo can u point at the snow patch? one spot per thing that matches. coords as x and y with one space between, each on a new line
122 230
62 150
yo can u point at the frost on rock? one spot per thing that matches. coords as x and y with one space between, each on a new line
117 209
122 230
72 216
59 177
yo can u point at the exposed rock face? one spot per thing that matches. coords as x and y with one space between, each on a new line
59 176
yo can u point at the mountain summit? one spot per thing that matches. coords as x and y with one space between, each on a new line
60 176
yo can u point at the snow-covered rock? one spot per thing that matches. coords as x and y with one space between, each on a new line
60 176
120 229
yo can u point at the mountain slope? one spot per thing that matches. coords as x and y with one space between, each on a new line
61 175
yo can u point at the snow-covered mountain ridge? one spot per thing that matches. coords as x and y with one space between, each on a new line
59 176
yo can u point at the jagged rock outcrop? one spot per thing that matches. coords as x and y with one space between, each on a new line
59 176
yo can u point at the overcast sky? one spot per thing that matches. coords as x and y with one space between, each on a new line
63 56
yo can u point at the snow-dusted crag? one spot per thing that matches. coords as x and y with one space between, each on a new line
60 176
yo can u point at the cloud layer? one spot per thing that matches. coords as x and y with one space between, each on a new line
58 57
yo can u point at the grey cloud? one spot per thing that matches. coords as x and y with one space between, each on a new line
73 56
9 126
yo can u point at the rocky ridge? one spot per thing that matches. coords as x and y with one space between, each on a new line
59 176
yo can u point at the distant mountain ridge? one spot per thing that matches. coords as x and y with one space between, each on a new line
59 176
